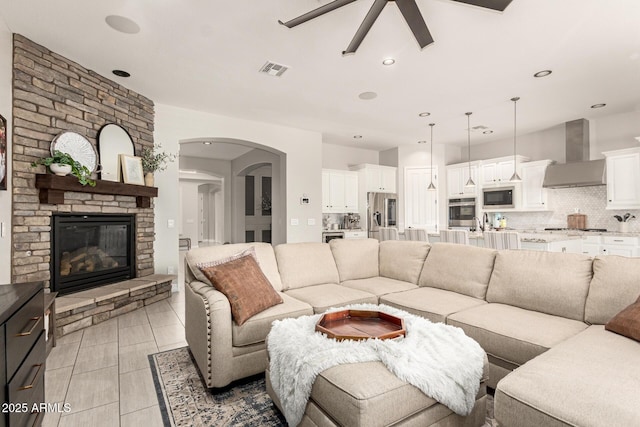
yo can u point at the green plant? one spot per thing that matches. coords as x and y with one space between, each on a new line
154 160
79 171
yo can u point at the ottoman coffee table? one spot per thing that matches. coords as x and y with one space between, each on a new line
367 394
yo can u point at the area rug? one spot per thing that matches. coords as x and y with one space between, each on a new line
185 402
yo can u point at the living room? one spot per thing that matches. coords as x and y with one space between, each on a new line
192 113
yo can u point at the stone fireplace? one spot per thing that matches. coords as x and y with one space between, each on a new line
90 250
52 94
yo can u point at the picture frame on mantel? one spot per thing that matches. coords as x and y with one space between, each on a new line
3 153
132 169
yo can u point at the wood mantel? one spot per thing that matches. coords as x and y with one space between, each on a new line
53 187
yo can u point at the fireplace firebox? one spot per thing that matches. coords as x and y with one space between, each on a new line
89 250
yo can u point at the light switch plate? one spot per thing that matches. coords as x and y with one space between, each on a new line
294 221
311 221
171 223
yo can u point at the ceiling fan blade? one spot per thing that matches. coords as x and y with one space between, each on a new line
500 5
316 12
412 15
371 17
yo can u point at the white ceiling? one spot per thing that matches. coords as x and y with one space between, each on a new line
205 55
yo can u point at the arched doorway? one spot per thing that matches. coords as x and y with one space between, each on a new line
235 161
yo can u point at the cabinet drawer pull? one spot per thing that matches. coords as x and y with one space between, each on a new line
618 240
35 321
33 381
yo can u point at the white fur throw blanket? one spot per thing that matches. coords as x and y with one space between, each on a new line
438 359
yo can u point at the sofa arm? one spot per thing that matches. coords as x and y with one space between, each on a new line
208 326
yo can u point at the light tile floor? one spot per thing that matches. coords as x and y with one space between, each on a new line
103 372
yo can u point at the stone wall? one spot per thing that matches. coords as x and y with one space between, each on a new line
52 94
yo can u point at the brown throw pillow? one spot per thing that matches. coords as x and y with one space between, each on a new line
244 284
627 322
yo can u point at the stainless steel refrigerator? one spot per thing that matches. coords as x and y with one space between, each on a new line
382 211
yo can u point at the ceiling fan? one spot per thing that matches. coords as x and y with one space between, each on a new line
408 8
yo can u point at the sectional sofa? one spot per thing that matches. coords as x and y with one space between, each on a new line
538 315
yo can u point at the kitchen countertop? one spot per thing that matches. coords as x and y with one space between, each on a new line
547 236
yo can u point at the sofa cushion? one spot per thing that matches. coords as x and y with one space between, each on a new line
402 260
443 269
323 297
264 254
306 264
614 286
431 303
256 329
627 322
549 282
513 334
355 258
590 379
379 285
245 286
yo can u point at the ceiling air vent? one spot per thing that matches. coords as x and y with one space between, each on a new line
273 69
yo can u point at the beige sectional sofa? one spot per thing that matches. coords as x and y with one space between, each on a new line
537 315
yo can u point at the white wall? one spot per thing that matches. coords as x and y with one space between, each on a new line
339 157
302 172
189 210
614 132
5 110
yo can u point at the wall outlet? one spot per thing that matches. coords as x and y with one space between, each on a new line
171 223
311 221
294 221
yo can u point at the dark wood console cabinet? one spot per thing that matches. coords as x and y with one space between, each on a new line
23 355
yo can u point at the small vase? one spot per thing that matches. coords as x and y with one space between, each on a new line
148 179
60 170
623 227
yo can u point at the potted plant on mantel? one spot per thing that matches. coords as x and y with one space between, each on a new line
63 164
154 160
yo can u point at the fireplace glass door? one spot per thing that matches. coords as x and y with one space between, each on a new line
91 250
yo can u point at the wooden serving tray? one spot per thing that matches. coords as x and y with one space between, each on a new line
360 325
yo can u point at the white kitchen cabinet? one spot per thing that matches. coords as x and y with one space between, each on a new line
623 178
497 172
377 178
573 246
457 177
339 191
360 234
534 197
611 245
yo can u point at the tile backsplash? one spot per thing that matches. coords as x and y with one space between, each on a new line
591 201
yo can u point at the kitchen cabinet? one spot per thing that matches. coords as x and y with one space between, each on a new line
339 191
623 178
611 245
457 177
496 172
534 197
573 246
377 178
351 234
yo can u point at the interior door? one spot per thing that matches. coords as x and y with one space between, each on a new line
258 206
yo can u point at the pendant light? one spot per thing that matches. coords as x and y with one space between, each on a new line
470 183
515 177
431 187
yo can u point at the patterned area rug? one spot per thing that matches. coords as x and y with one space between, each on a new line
185 402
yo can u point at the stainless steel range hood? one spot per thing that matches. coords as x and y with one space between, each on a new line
579 171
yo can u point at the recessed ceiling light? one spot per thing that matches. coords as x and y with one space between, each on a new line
207 143
422 142
122 24
121 73
424 114
543 73
598 105
367 95
357 136
488 132
389 61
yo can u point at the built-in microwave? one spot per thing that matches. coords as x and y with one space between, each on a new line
498 198
462 212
